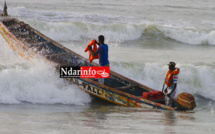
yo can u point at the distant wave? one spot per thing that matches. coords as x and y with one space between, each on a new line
190 36
123 32
67 26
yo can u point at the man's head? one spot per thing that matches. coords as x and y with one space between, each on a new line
101 39
171 65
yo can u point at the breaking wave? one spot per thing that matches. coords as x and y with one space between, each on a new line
68 31
34 82
67 26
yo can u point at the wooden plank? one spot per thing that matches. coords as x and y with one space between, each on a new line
58 54
125 87
21 33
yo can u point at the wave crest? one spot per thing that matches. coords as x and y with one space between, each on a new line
62 31
67 26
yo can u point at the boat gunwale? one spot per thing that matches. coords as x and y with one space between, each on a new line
94 83
83 58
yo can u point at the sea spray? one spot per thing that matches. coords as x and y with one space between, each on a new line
211 108
37 82
34 81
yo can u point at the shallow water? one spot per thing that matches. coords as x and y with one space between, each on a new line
101 118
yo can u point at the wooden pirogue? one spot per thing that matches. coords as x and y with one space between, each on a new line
30 43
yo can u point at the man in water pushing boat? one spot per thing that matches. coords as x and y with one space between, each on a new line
171 83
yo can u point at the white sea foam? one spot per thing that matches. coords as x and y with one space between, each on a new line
190 36
38 83
77 30
34 82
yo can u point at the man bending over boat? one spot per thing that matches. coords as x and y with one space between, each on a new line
171 83
102 52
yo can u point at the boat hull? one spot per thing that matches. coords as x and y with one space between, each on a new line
59 55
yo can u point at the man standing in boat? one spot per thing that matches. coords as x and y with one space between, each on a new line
171 83
102 51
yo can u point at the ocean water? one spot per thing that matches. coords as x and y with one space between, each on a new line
143 36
